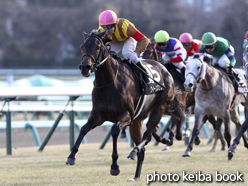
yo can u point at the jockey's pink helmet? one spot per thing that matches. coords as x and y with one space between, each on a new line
107 17
185 38
246 35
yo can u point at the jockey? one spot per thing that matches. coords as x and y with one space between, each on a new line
190 45
222 52
172 50
124 37
245 43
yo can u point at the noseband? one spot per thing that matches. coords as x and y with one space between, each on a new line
96 63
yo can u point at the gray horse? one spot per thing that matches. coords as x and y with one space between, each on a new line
214 95
244 126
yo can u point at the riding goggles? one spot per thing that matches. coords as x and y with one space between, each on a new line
186 44
209 46
162 44
108 27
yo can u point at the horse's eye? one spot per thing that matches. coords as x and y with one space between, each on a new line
198 68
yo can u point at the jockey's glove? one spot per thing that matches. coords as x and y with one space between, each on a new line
134 58
165 58
229 69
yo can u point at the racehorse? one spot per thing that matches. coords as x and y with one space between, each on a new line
151 53
187 99
214 95
244 126
115 97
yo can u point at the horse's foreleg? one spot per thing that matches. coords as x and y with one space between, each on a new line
84 130
197 138
91 124
243 128
236 120
195 133
161 139
115 130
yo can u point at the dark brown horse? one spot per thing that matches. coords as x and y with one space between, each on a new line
187 99
115 96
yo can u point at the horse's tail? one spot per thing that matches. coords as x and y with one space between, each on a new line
176 109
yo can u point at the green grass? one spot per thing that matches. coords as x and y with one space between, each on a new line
28 167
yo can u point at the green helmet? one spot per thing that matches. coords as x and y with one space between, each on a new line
161 36
208 38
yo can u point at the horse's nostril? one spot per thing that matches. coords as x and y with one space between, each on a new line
191 85
80 67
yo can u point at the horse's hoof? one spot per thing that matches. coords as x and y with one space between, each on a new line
197 141
132 156
231 149
70 161
115 172
212 150
222 149
186 154
165 147
230 156
132 180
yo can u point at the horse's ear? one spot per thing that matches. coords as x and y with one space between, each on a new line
104 37
101 34
85 34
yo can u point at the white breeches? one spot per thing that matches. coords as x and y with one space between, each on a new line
127 47
223 60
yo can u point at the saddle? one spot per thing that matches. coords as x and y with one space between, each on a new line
152 87
240 88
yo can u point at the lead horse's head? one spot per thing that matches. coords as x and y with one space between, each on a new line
245 62
93 52
195 72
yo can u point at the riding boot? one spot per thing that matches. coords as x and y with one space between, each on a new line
144 76
240 82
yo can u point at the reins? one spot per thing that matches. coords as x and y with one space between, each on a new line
97 63
198 79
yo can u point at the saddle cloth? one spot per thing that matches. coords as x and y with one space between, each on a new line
156 81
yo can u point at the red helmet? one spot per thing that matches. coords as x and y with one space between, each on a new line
185 38
107 17
246 35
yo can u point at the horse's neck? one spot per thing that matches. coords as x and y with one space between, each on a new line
106 73
211 78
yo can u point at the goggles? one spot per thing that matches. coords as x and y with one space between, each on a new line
209 46
108 27
162 44
186 44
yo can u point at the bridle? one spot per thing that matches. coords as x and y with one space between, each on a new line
198 77
96 63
